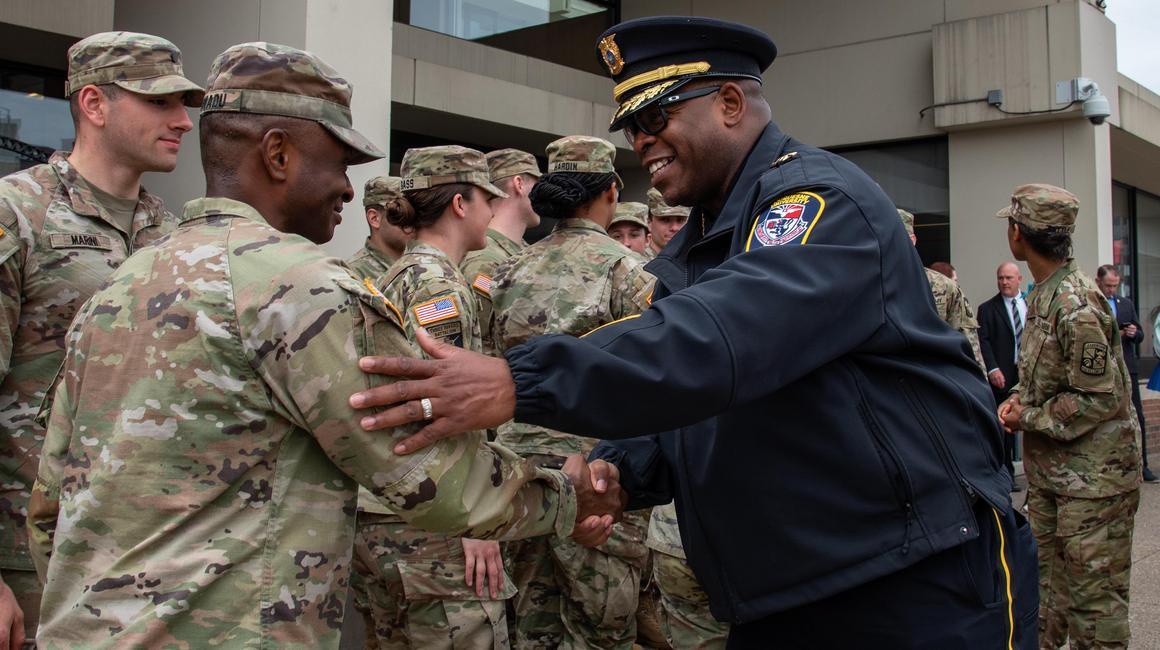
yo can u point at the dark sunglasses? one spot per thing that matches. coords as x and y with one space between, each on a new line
653 119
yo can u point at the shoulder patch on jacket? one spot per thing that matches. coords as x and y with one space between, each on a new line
436 309
790 218
1095 358
370 294
482 283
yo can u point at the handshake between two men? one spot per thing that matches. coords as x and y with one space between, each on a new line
459 391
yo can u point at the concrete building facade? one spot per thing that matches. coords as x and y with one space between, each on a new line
899 86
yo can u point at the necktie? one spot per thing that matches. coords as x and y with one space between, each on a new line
1018 322
1112 304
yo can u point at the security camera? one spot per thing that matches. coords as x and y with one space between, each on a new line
1097 109
1095 106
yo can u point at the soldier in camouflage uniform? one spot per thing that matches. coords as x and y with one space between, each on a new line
1081 436
386 242
664 221
629 226
515 172
64 227
420 585
197 486
950 303
685 616
571 282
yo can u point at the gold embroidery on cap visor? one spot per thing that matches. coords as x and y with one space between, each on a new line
610 53
659 74
636 101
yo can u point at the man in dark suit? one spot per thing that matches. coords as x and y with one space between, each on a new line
1001 321
1131 334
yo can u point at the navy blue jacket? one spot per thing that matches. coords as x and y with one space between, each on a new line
823 427
1125 315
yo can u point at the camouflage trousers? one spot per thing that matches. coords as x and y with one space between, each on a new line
409 586
25 585
571 596
1085 561
685 616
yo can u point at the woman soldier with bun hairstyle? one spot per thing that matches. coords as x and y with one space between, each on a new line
573 281
425 590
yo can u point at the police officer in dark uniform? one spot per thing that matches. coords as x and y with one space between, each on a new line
829 441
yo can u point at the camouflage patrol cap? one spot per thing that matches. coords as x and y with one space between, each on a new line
381 190
1042 208
140 63
503 163
658 208
428 167
582 154
907 220
271 79
630 212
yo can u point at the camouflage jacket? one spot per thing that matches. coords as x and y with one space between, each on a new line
58 245
430 292
369 262
571 282
954 308
197 485
1081 435
664 534
479 268
649 254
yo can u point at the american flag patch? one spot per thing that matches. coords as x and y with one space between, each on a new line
482 283
436 310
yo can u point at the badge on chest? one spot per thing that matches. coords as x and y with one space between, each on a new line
788 219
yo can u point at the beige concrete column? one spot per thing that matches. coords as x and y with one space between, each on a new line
986 164
353 36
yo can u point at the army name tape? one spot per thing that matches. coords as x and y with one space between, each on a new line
109 74
268 102
424 182
580 166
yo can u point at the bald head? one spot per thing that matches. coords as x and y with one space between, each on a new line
1008 279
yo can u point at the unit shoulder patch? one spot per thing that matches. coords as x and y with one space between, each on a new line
790 218
1094 360
436 310
482 283
366 291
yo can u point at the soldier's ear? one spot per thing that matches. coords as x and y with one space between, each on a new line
457 205
92 106
275 149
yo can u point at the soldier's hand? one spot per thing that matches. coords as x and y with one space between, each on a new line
11 620
483 566
467 391
1009 413
997 379
598 495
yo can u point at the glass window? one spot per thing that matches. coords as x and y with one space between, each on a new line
1123 248
560 31
33 122
1147 222
476 19
915 176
